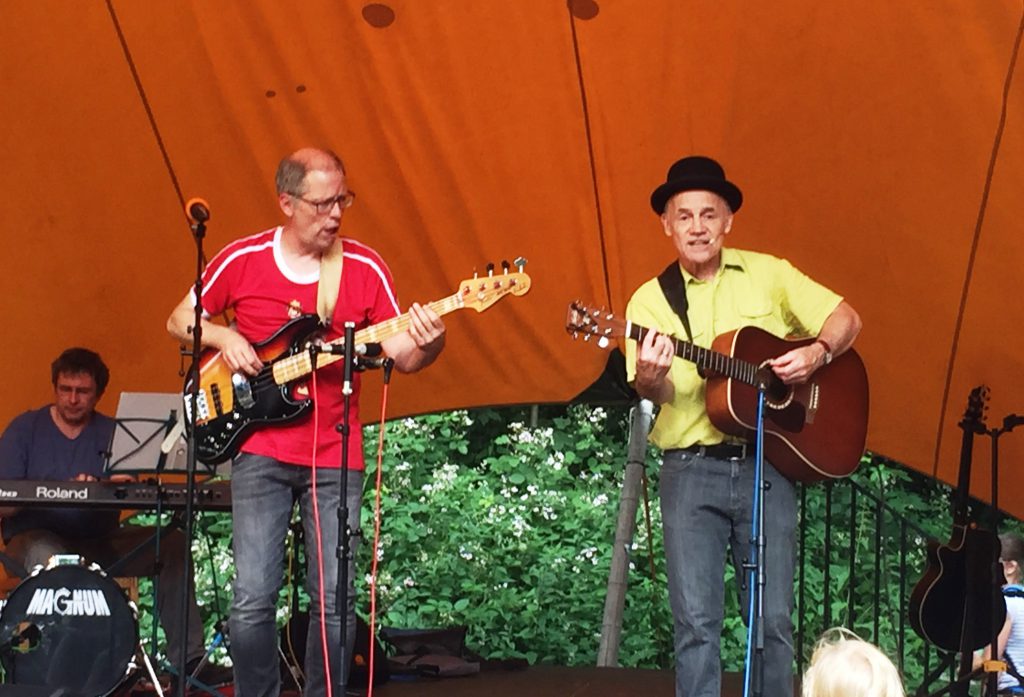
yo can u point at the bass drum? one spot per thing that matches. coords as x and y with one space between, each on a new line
68 627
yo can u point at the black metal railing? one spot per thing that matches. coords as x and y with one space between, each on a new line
868 562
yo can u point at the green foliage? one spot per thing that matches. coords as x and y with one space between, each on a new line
503 521
503 527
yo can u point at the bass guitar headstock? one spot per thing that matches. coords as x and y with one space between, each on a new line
480 293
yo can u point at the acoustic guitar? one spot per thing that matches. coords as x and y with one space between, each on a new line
813 431
952 605
230 405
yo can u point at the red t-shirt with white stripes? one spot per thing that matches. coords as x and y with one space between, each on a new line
250 277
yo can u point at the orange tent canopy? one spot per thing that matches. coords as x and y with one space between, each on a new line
879 146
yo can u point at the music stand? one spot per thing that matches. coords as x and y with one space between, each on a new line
148 435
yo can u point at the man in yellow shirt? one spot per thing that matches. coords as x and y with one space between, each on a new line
707 480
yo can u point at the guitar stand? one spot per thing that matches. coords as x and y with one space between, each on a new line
960 683
990 668
948 659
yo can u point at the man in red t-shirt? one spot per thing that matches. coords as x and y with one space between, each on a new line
268 279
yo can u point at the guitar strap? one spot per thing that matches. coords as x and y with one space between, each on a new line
673 285
330 282
1013 591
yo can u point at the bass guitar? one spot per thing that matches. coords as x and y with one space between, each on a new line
952 605
813 431
230 404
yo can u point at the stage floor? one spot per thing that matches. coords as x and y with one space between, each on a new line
549 681
535 681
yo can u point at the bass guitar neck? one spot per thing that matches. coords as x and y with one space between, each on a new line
229 405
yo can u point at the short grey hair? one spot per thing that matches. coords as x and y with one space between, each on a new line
292 170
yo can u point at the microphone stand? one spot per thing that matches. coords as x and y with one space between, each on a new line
753 683
198 232
352 362
345 531
344 551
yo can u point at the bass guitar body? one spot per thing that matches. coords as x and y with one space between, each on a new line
231 405
951 604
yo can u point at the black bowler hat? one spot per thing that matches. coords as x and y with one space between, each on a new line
696 173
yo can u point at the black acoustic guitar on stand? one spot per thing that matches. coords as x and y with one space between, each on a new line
951 606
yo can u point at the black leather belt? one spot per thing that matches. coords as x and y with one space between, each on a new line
720 451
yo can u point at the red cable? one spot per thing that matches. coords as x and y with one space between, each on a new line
376 539
376 544
320 549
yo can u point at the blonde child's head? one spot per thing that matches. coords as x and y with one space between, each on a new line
844 665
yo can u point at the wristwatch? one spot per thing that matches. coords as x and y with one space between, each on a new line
828 350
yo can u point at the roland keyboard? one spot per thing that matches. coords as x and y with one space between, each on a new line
209 496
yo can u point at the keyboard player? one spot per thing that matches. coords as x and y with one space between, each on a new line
67 440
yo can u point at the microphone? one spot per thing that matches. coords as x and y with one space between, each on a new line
198 210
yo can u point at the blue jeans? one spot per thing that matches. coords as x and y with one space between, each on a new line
262 491
706 510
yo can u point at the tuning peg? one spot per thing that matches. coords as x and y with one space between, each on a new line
520 262
504 265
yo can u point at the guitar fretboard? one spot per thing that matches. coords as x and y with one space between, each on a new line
713 361
300 365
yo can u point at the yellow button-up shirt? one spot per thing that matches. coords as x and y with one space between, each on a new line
751 289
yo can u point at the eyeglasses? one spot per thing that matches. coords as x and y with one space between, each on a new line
327 205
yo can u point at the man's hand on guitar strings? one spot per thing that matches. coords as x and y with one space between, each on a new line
653 360
425 326
239 353
796 366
